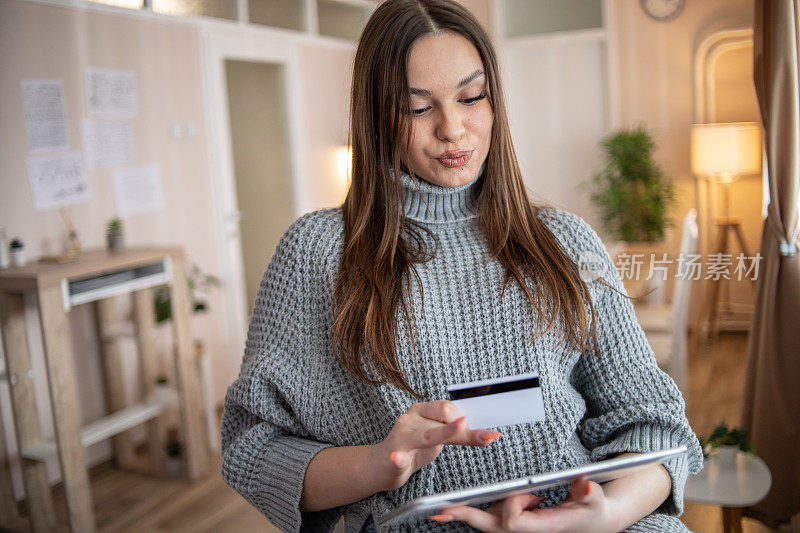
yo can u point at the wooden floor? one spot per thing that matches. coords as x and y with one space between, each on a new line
126 502
716 385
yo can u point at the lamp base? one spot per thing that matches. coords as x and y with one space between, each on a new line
709 311
730 221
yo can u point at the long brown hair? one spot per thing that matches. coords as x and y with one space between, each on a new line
381 246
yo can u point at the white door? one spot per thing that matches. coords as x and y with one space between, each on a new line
251 83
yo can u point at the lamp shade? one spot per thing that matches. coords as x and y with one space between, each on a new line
726 149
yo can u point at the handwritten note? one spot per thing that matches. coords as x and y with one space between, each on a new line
57 180
137 190
45 116
107 143
110 92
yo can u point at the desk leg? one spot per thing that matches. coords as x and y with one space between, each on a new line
186 372
156 428
64 402
26 415
732 519
108 324
8 505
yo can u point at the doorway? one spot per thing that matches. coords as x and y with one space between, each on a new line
261 163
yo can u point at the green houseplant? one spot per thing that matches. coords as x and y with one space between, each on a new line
722 435
114 235
197 281
726 442
633 193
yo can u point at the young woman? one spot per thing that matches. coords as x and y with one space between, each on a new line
438 270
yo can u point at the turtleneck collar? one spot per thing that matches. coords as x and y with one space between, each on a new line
434 204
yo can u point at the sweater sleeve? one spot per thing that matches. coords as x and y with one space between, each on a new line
265 446
632 405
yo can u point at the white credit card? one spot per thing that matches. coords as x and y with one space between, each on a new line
497 402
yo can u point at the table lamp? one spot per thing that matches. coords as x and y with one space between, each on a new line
723 153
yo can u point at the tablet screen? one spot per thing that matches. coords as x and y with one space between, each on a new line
598 472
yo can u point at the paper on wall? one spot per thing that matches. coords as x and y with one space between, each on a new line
107 143
57 180
137 190
45 115
110 92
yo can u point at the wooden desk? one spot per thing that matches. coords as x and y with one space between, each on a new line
97 275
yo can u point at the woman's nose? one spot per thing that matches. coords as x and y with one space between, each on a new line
451 125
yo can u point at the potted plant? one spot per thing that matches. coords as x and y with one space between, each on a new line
727 441
633 193
114 236
634 196
197 282
16 249
174 449
162 390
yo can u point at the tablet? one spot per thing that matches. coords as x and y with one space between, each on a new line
599 472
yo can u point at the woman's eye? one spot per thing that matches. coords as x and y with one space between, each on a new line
467 101
470 101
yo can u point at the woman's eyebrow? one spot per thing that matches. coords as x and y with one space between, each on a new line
467 79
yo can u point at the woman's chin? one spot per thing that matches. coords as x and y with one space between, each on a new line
453 177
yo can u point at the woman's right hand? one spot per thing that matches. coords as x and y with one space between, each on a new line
418 437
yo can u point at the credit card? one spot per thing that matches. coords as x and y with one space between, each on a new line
498 402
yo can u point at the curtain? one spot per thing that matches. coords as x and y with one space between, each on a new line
771 412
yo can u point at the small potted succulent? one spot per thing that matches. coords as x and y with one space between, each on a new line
114 236
174 449
16 249
727 442
162 388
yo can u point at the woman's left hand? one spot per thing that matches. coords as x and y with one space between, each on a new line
586 510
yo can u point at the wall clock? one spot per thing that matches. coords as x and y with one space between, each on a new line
662 10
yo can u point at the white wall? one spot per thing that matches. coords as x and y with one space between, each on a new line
557 108
326 76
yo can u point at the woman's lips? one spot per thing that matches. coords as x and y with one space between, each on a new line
459 161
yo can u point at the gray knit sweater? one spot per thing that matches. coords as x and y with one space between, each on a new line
293 399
